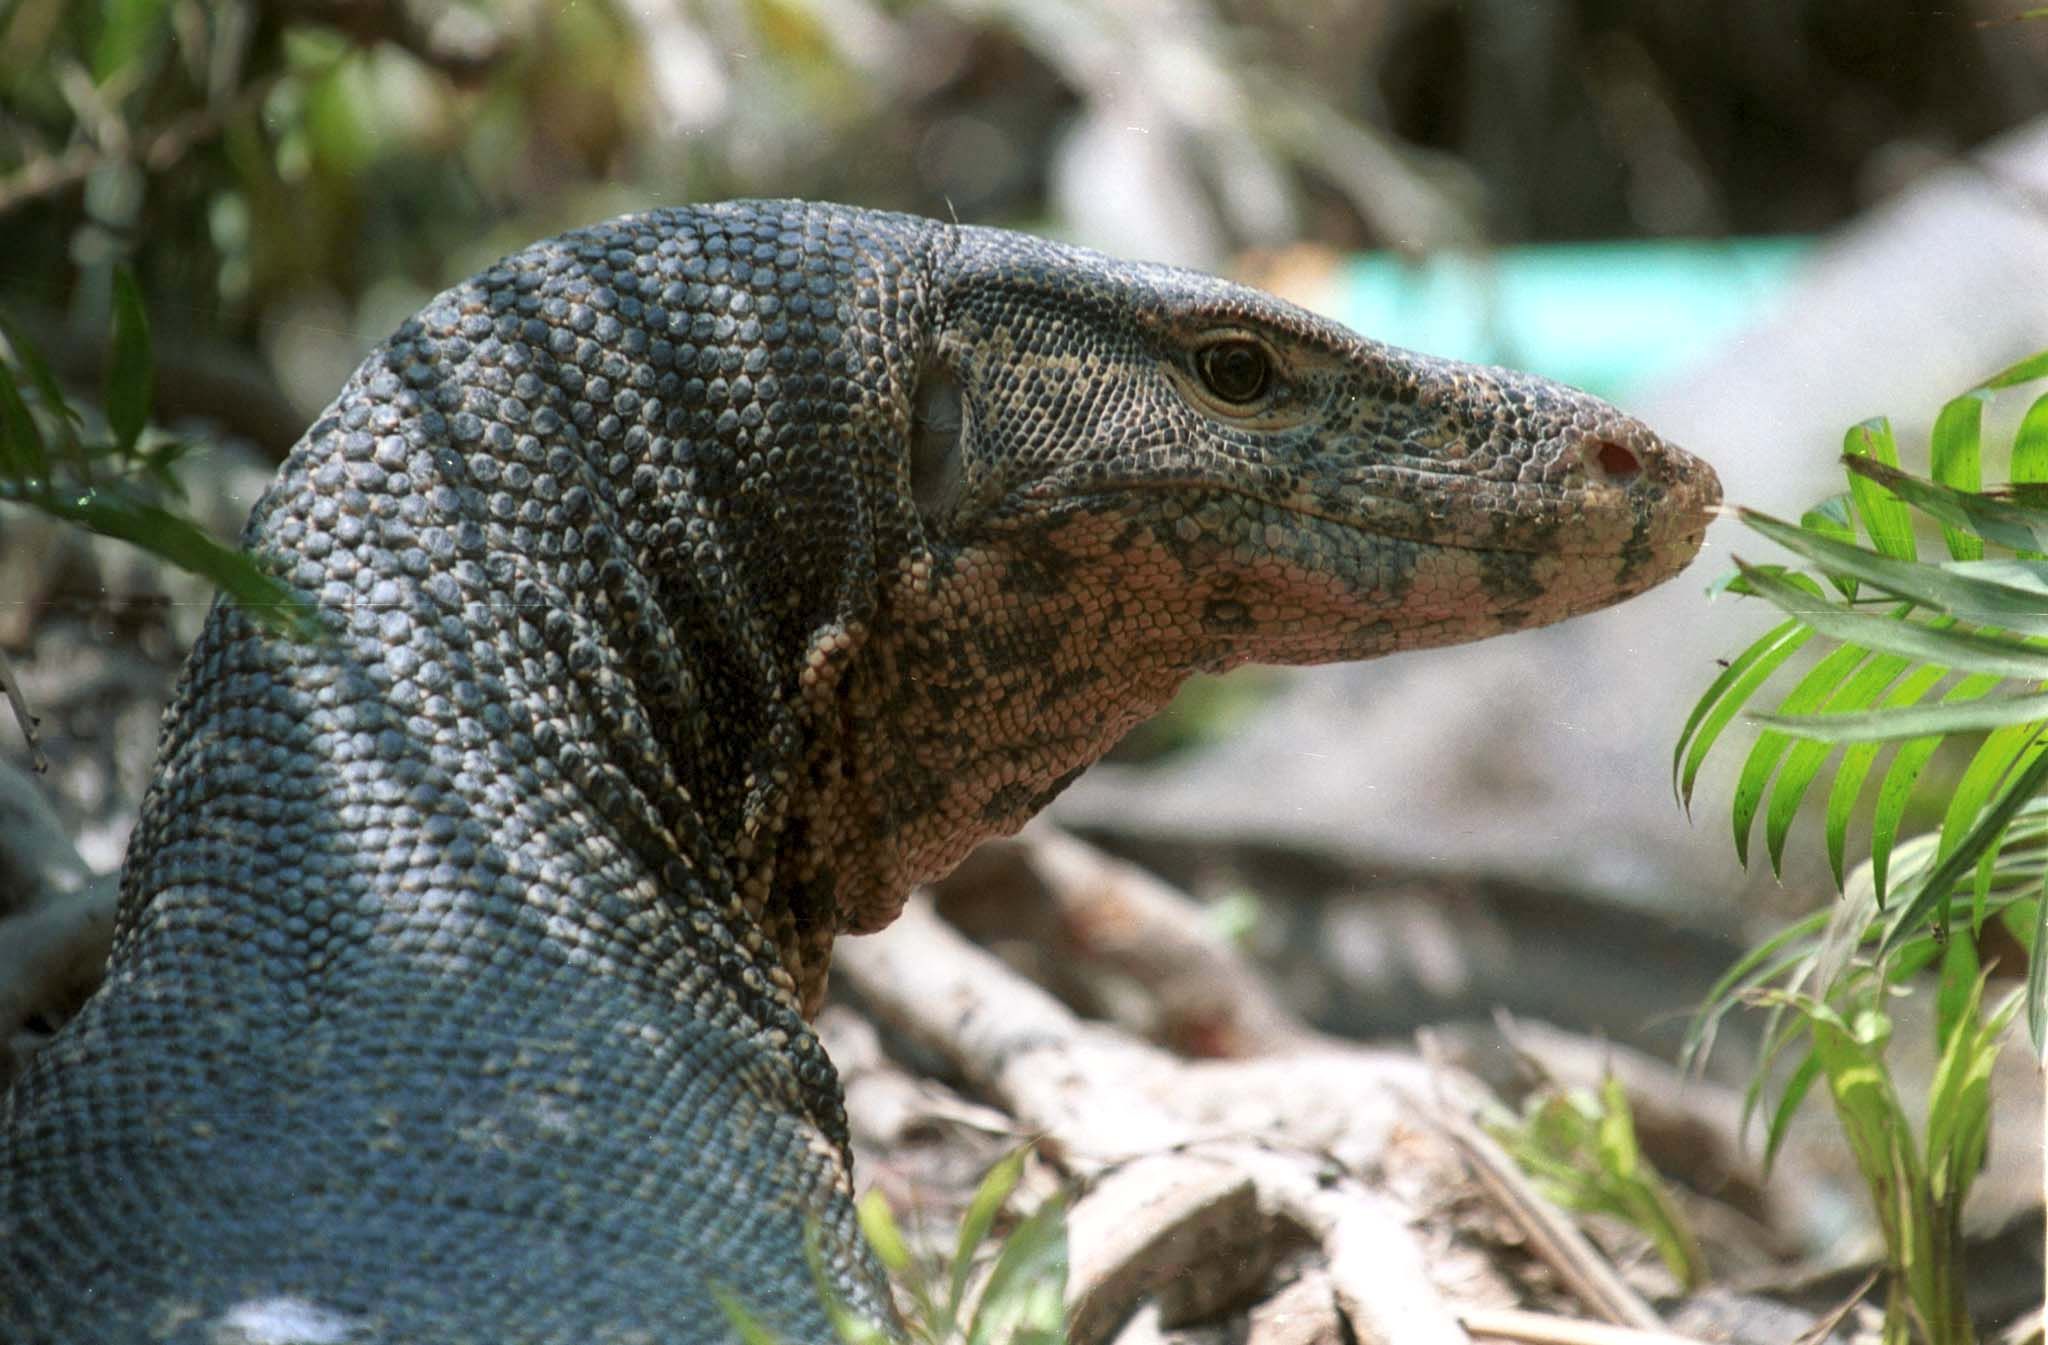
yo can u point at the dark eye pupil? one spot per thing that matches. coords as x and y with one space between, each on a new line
1234 370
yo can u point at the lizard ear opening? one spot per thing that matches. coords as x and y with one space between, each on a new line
937 428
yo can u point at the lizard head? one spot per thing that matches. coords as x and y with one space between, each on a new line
1275 487
1123 474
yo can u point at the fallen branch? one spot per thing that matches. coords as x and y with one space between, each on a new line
1106 918
1170 1149
1539 1328
1550 1232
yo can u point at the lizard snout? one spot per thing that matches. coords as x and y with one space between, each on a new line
1679 489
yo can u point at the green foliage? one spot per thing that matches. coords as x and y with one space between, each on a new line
1924 653
49 463
1917 1188
1021 1300
1022 1296
1581 1150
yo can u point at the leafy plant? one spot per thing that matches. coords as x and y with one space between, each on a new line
1020 1300
1581 1150
105 480
1924 653
1918 1189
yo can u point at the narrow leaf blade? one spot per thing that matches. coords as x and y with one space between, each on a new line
1956 457
1884 518
130 378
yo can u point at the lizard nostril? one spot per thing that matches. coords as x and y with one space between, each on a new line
1611 462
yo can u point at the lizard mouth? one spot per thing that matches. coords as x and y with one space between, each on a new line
1599 485
1591 521
1605 487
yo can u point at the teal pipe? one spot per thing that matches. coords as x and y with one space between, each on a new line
1607 317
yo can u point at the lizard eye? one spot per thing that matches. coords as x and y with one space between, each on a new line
1238 371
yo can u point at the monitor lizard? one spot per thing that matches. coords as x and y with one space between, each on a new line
695 584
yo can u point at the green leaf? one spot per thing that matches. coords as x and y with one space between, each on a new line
1803 763
23 458
1796 1089
181 542
1888 725
159 462
1726 697
1761 963
2027 370
1834 518
30 358
878 1225
2017 520
127 28
1855 766
1929 902
1851 1056
1957 993
1927 642
1614 1132
1818 683
2028 575
1957 461
981 1214
1973 592
2030 445
1899 778
2030 452
1775 1040
1735 585
1024 1300
1959 1098
1795 778
1884 519
1988 767
749 1328
1639 1190
1850 774
1994 867
130 372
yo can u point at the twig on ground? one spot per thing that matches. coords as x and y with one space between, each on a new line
1678 1115
1112 917
1304 1313
1011 1041
1824 1326
1539 1328
1128 1117
1142 1227
1551 1234
1381 1281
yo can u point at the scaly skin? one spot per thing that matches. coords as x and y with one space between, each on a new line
698 583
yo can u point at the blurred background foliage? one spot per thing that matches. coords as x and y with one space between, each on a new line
290 178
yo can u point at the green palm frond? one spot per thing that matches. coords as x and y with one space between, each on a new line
1918 653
